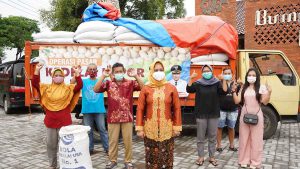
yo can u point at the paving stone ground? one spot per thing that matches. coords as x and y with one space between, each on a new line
22 141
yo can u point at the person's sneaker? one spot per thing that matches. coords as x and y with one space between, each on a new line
111 165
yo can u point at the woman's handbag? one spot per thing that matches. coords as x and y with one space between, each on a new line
251 118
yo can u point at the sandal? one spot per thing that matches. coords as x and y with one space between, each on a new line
200 162
111 165
219 150
128 166
244 165
213 162
233 149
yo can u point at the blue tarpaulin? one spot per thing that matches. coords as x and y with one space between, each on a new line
150 30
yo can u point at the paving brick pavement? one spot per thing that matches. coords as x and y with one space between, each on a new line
22 143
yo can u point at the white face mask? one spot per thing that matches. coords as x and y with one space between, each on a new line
159 76
251 79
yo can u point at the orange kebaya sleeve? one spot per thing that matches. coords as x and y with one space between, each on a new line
177 121
140 110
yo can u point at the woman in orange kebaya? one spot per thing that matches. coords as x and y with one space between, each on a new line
158 119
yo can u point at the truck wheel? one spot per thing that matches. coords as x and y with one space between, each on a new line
270 122
6 105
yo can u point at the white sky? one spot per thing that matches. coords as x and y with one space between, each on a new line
30 9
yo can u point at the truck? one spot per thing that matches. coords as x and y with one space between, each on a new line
273 65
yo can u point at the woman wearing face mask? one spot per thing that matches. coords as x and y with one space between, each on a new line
158 118
251 136
58 100
207 109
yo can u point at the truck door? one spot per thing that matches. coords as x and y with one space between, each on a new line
278 72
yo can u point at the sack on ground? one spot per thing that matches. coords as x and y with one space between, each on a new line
74 147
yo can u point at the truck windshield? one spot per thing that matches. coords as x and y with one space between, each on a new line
273 64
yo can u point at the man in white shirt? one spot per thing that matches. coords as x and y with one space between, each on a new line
177 82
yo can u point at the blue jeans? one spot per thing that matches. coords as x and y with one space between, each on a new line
89 119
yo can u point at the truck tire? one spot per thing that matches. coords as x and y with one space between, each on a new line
270 122
6 105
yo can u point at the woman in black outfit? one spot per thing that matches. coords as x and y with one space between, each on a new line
207 109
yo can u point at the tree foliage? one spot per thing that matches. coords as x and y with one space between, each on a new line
152 9
2 54
66 15
15 30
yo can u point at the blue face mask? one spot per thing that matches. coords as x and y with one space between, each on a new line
227 77
119 76
207 75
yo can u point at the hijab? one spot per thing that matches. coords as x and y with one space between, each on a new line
207 82
56 97
153 82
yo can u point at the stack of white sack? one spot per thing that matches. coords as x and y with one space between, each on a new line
95 32
54 37
124 35
211 59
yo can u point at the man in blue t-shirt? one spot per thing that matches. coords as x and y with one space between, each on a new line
93 109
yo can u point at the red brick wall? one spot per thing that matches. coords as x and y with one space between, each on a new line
280 36
224 10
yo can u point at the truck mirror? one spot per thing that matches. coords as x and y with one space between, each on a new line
266 57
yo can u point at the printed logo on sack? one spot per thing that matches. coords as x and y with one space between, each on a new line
67 139
75 168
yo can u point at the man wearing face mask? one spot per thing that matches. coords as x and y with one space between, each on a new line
58 100
93 109
228 113
120 114
177 82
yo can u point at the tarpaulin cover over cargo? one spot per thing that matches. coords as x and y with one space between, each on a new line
202 34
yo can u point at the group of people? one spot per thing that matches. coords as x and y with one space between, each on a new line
158 116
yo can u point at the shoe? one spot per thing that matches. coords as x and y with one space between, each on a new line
252 167
244 165
128 166
111 165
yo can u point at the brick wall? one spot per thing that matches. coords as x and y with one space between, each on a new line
223 8
279 36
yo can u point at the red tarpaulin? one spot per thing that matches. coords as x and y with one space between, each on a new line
203 34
